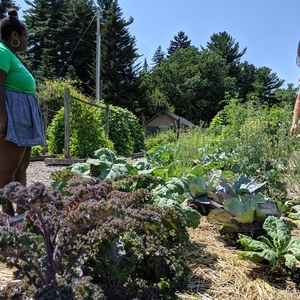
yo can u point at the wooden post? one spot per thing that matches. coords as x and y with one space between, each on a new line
178 128
143 125
67 122
107 120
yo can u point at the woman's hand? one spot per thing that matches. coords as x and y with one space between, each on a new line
293 129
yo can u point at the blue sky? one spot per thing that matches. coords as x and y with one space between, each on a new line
268 28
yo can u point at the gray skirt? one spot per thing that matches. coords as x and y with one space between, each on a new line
24 120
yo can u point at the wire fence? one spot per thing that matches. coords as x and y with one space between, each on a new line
67 98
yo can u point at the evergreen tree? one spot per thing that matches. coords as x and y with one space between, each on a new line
246 79
264 86
158 56
42 19
77 35
181 41
223 44
145 66
62 34
119 70
5 5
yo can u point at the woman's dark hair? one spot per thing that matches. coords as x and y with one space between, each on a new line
10 24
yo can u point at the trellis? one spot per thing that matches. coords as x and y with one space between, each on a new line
67 119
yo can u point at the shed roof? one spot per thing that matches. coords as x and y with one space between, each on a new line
175 117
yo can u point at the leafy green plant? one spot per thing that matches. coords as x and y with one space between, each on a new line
87 124
209 195
164 137
295 214
277 246
240 215
170 194
124 129
36 150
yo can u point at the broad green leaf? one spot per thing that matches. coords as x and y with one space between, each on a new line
219 216
296 214
276 228
230 228
244 184
118 169
255 257
120 160
192 216
103 169
290 261
247 217
80 168
234 206
105 154
141 165
197 187
293 246
251 244
250 200
198 170
172 186
258 256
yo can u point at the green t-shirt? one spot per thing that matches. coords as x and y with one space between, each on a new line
18 78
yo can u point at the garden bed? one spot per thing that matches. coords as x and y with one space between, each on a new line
217 273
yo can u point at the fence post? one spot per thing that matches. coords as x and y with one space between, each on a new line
67 122
143 124
178 128
107 120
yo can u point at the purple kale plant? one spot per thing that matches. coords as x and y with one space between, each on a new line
109 241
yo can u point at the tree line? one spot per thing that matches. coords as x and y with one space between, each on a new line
191 82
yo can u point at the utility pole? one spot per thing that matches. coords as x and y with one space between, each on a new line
98 58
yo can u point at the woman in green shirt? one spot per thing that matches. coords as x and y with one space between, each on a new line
20 117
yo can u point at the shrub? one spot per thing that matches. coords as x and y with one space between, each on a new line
87 127
124 129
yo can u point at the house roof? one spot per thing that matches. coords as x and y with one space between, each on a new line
175 117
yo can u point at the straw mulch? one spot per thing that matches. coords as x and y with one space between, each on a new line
5 275
218 273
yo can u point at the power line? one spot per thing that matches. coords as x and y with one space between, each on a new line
77 45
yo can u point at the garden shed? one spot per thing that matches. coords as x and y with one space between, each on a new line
165 120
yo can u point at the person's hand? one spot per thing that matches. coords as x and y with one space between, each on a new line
294 129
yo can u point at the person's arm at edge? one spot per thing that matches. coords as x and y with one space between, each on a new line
294 126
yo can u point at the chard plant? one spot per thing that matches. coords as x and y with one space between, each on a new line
277 246
110 242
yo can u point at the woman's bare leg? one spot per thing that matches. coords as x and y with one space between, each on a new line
11 157
20 174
